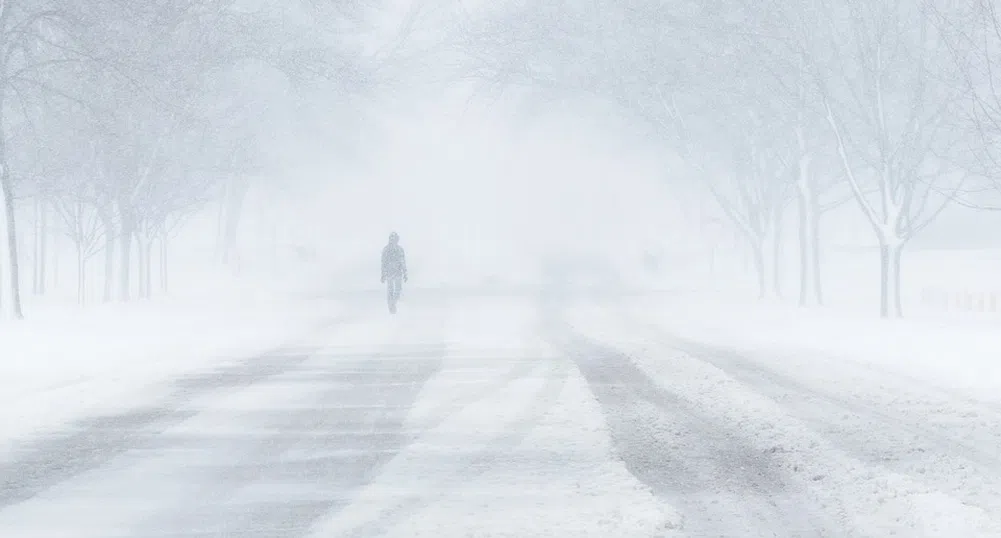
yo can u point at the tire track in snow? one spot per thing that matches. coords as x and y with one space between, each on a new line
719 484
864 498
906 441
344 473
443 411
339 438
479 460
92 442
342 448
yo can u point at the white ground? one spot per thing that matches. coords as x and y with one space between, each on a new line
878 452
876 428
507 441
66 362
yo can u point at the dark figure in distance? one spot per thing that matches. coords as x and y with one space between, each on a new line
394 270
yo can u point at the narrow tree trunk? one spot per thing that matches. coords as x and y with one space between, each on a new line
148 266
125 257
163 264
889 274
36 244
809 210
141 266
898 304
805 253
760 257
7 191
818 281
109 254
54 270
809 276
43 249
39 272
776 245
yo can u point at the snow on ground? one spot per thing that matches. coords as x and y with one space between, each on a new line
953 354
242 427
891 426
943 340
66 361
865 496
511 443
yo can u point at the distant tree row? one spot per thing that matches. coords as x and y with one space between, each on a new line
120 118
893 105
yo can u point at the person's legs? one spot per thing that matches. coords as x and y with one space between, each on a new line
390 298
393 287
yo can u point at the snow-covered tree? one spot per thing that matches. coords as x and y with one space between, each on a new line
890 100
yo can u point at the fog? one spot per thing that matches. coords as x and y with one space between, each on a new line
534 268
687 147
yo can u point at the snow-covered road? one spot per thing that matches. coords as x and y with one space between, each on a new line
463 417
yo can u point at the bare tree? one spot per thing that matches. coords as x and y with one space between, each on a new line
647 60
38 46
891 106
24 30
145 76
971 33
747 170
82 225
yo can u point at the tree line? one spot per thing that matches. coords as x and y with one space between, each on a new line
891 105
119 119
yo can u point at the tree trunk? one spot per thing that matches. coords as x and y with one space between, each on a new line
54 271
40 244
109 254
43 250
759 253
818 281
809 239
125 257
898 304
889 275
7 191
163 263
777 256
36 244
143 266
148 266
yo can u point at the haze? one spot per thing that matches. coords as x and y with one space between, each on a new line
667 268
